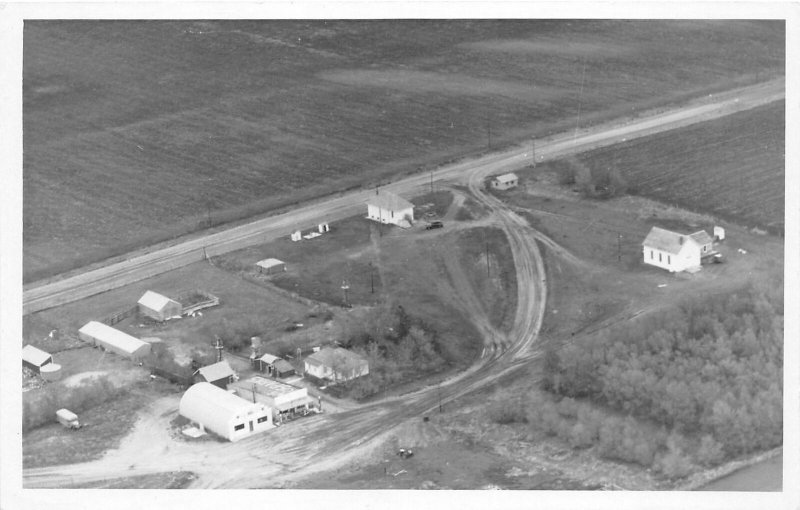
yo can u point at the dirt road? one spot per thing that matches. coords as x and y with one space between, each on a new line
325 442
153 261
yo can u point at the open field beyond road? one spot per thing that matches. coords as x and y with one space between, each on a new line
139 132
731 167
158 261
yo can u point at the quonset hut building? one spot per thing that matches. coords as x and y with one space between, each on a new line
223 413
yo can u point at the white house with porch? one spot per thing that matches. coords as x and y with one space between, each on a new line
386 207
676 252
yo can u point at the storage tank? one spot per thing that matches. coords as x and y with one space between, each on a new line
50 372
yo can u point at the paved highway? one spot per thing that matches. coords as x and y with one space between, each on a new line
47 295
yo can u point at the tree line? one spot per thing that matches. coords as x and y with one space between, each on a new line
692 385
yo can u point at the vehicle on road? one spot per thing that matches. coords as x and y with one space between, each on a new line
433 225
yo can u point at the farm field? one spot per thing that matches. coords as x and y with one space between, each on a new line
732 167
136 132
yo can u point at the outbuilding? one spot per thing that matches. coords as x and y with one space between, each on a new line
336 364
674 251
114 340
158 307
282 398
275 366
386 207
505 181
34 358
271 266
219 374
224 413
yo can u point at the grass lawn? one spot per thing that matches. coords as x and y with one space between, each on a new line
139 131
242 302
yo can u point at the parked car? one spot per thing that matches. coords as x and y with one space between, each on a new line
433 225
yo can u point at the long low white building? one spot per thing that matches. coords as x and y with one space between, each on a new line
281 397
114 340
223 413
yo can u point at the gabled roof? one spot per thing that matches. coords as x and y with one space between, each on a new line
506 177
217 371
269 359
282 365
336 358
702 237
35 356
268 263
666 240
389 201
154 301
111 336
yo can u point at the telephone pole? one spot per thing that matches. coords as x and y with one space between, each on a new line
533 151
487 259
431 181
619 247
580 98
489 130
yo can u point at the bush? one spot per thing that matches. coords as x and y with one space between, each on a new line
506 414
39 408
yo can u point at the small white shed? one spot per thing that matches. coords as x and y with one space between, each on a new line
505 181
34 358
271 266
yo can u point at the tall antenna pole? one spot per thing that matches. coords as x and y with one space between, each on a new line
580 98
533 151
431 181
619 247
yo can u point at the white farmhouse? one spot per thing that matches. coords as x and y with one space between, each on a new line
386 207
674 251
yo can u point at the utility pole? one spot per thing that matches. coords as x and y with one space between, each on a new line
218 346
533 151
619 247
487 259
489 130
580 97
371 278
439 386
431 181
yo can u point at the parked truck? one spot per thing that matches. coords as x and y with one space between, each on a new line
68 419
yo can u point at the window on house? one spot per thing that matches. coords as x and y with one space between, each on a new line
659 257
669 259
263 419
238 427
651 254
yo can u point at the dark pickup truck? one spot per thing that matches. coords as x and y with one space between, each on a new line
434 224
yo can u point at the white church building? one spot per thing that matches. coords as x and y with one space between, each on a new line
676 252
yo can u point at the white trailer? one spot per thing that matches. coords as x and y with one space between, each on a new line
68 419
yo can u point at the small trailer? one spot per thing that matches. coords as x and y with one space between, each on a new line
68 419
